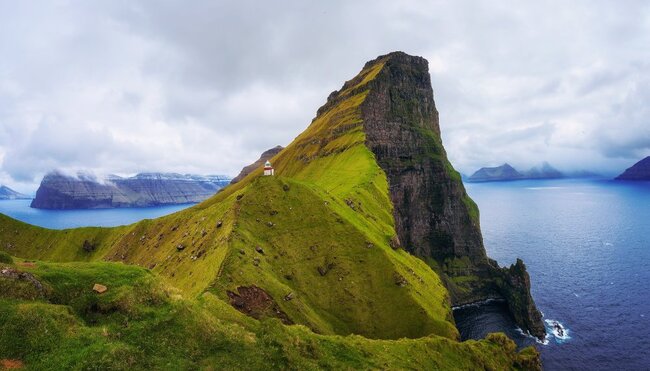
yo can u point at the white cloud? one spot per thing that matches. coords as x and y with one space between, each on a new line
128 86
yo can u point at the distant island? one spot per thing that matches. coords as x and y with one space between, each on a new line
7 193
638 171
506 172
86 191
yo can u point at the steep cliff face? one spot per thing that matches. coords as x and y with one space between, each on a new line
59 191
639 171
266 155
434 217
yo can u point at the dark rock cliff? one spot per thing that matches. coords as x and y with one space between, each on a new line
639 171
433 213
58 191
266 155
434 216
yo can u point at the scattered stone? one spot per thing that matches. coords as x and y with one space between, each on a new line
259 249
369 245
241 251
239 197
174 227
270 224
219 223
285 187
203 232
400 280
100 289
273 212
350 203
395 243
89 246
180 247
256 261
288 296
152 265
288 277
323 270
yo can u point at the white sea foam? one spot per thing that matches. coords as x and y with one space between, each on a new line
558 330
528 335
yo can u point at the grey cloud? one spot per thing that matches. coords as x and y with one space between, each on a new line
206 86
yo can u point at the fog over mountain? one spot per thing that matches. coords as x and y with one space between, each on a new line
134 86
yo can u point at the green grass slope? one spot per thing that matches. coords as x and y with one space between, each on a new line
140 323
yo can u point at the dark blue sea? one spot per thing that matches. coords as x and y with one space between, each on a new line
586 244
61 219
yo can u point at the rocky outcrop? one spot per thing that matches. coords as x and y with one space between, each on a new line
434 216
84 191
266 155
7 193
503 172
514 285
639 171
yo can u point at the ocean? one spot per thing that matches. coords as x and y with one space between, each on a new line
586 244
62 219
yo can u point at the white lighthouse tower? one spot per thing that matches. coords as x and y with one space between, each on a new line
268 169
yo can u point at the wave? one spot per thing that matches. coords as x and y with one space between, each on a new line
558 330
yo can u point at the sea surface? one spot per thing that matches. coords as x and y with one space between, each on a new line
62 219
586 244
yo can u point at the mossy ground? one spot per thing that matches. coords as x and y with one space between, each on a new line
140 323
167 305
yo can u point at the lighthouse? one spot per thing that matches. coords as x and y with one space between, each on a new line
268 169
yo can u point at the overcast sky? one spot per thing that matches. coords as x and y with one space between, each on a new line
205 86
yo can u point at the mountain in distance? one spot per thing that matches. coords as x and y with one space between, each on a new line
638 171
503 172
7 193
506 172
543 171
86 191
266 156
350 257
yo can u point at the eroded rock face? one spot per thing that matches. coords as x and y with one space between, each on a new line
257 303
432 210
266 155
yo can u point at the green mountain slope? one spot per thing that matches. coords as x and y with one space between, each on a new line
316 246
